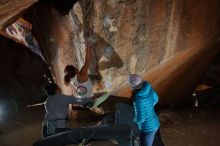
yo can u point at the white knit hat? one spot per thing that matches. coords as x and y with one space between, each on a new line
134 80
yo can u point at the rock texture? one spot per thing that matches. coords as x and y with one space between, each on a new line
12 9
169 42
20 32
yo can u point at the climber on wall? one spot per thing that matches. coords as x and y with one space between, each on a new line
81 82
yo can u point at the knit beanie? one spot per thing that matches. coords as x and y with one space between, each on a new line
134 80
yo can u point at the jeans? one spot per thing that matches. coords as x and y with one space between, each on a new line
147 138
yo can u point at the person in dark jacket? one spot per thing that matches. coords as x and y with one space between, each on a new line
56 107
144 100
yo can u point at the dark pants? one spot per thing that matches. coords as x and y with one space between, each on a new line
147 138
45 134
157 139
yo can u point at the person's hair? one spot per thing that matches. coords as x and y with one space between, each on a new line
69 68
67 79
70 72
51 88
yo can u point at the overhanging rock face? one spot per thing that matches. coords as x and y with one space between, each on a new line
170 43
20 32
10 10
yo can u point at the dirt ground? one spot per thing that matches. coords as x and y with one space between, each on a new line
179 127
188 127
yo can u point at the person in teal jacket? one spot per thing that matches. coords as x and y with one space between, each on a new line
144 100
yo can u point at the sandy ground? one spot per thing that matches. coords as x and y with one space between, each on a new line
190 128
182 127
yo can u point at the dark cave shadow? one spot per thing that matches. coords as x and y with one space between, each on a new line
62 6
22 77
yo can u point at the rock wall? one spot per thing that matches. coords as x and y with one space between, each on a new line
169 42
12 9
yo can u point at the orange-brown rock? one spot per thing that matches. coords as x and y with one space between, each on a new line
10 10
170 43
